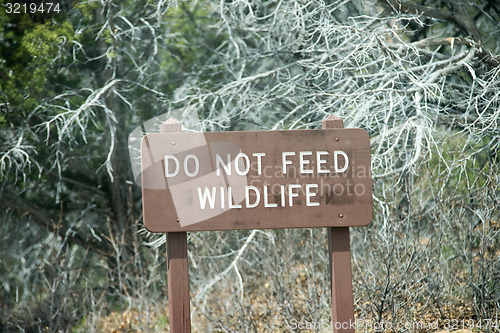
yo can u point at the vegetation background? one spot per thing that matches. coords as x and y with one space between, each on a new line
422 76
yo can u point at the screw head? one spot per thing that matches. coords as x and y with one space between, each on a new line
341 215
337 139
173 143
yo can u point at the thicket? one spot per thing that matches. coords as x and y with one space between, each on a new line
423 77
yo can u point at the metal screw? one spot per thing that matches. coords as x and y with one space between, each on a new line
173 143
337 139
177 220
341 215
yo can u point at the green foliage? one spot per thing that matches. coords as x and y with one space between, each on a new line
30 51
459 167
73 85
187 42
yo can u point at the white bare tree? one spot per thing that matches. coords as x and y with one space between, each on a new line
422 77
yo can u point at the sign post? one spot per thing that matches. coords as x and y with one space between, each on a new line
257 180
177 267
339 253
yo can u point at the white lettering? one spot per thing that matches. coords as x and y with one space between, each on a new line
207 195
309 195
219 162
303 162
260 195
266 198
196 165
292 194
285 161
247 196
336 160
283 202
177 166
222 197
238 162
230 199
259 161
320 161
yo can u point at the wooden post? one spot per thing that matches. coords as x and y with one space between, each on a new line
177 267
339 251
339 254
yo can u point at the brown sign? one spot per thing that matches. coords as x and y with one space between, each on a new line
256 180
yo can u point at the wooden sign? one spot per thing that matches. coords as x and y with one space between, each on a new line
256 180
